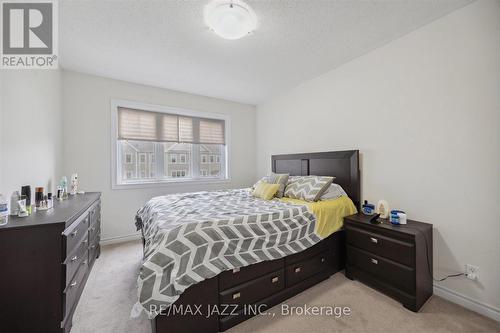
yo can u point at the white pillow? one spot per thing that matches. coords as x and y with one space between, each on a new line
333 192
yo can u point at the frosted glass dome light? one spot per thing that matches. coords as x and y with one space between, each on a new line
230 19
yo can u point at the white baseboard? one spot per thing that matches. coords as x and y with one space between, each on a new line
120 239
467 302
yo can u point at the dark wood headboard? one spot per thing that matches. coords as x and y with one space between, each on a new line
344 165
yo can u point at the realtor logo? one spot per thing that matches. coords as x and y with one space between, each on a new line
29 35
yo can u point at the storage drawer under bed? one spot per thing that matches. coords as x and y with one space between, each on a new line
238 276
254 290
302 270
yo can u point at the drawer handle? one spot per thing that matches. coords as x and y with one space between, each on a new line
92 229
74 258
73 234
73 284
93 246
374 261
297 269
236 270
236 296
322 259
275 279
374 240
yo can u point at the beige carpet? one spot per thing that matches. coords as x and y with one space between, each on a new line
110 293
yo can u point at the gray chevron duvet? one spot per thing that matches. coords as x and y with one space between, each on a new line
195 236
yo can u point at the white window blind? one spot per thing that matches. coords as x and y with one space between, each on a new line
162 127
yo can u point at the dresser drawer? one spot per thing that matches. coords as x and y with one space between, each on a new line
302 270
238 276
254 290
74 288
94 250
376 243
391 272
75 258
95 213
94 230
73 235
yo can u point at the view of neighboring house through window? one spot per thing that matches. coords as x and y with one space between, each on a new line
156 146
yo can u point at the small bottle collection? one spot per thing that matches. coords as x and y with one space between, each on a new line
21 203
395 216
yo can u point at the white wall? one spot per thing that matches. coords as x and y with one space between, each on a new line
88 133
424 111
31 132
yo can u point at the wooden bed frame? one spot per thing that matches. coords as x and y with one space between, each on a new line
234 296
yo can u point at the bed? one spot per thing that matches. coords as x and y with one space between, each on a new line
214 259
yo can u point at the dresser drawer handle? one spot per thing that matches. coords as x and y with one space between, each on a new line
374 240
73 234
92 229
236 296
297 269
275 279
74 258
73 284
236 270
93 246
322 259
374 261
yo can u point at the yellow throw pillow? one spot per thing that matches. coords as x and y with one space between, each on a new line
265 190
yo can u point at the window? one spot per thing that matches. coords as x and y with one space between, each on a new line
157 145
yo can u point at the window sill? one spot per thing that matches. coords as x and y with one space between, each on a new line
165 183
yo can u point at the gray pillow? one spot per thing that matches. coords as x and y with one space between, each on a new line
309 188
281 179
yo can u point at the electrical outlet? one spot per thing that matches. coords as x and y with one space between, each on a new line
471 272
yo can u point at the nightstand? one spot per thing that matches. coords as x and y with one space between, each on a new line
394 259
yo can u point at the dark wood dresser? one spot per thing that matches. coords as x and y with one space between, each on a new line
395 259
45 261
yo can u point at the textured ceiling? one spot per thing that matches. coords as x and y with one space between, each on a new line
166 44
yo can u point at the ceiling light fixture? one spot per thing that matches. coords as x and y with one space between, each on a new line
230 19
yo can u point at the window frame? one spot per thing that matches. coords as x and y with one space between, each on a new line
117 181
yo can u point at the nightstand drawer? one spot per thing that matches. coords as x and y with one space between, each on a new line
397 275
397 250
